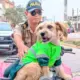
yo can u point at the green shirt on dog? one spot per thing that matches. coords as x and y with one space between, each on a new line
45 54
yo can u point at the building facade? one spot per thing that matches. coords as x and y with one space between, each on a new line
75 20
5 4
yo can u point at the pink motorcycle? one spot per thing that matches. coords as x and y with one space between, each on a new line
8 63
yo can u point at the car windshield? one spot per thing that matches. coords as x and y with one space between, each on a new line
5 27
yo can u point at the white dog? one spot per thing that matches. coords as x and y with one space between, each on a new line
46 32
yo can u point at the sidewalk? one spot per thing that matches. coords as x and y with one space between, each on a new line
73 40
74 36
70 44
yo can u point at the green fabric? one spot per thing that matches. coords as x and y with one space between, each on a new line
43 61
58 62
51 51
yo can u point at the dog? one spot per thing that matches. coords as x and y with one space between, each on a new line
46 32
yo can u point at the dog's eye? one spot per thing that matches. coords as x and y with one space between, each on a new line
40 28
49 26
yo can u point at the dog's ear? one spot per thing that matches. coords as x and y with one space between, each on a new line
61 27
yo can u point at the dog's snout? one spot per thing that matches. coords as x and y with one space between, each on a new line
42 34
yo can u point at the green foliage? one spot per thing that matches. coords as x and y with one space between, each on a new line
15 15
69 23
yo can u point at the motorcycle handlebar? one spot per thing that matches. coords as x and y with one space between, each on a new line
67 50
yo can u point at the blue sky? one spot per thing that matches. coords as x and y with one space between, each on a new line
54 9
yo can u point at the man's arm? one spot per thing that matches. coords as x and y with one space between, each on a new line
19 42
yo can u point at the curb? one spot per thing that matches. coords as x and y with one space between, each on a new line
70 45
72 39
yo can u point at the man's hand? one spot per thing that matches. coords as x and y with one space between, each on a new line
21 50
19 43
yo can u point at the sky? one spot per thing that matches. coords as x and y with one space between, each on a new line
54 9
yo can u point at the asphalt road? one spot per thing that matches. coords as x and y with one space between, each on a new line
72 60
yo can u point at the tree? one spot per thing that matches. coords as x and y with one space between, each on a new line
69 24
15 15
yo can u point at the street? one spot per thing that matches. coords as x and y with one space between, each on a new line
72 60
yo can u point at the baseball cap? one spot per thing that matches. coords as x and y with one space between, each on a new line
33 4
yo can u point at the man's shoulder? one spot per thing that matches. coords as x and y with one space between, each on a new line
22 24
20 27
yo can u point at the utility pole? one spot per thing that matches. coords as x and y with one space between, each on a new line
65 10
77 20
72 14
73 19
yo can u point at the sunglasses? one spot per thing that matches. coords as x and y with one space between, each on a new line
39 12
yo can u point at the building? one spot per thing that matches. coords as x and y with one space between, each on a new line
65 10
75 20
7 4
1 10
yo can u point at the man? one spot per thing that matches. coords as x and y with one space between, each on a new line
24 35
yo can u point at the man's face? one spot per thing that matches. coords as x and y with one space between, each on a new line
34 16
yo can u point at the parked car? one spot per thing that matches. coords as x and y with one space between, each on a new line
7 45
